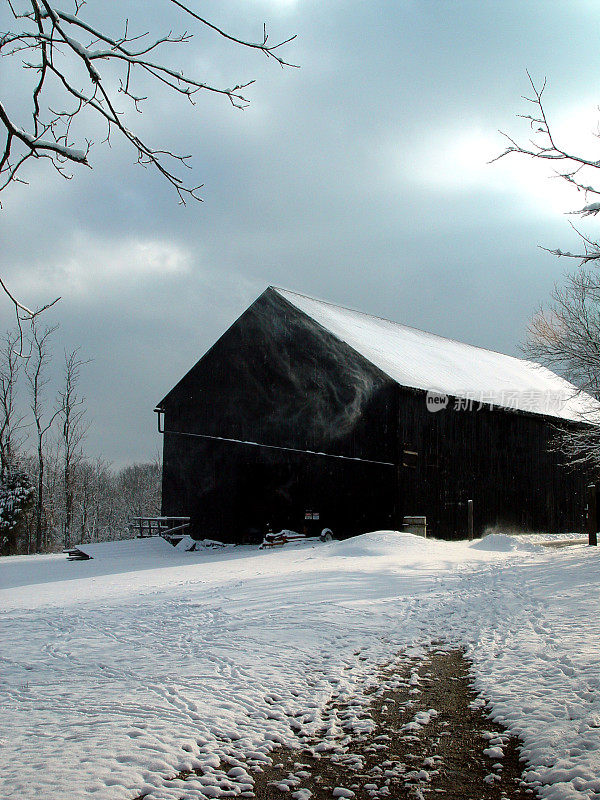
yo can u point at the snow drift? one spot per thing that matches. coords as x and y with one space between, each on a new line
381 543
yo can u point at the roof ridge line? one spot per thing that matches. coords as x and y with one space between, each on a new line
404 325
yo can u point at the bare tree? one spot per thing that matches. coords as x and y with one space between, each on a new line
565 335
23 313
36 372
138 489
53 500
16 491
89 479
72 413
104 501
10 419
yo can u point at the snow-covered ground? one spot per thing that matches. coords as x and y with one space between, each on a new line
120 671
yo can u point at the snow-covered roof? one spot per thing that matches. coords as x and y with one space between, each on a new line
421 360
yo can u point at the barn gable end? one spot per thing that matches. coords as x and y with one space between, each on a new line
276 378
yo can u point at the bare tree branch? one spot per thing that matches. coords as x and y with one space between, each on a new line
75 60
72 411
545 146
57 44
565 336
268 50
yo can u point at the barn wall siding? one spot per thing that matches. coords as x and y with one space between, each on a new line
500 459
237 491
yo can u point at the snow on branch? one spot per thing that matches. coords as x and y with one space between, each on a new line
565 336
575 170
588 211
60 47
73 62
544 145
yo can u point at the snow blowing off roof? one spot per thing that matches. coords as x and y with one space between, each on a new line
422 360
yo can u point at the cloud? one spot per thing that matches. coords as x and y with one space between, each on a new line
91 263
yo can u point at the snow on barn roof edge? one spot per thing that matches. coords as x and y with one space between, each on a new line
417 359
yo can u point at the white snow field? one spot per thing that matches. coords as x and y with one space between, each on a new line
117 672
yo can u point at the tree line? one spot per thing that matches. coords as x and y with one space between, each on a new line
53 495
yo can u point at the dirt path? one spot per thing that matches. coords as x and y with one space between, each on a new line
417 731
457 753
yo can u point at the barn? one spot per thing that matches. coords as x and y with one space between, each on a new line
306 415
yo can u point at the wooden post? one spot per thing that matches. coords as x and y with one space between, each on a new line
592 524
470 518
399 508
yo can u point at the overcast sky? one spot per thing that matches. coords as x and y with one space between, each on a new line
360 178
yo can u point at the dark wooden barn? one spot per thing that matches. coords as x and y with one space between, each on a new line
306 415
